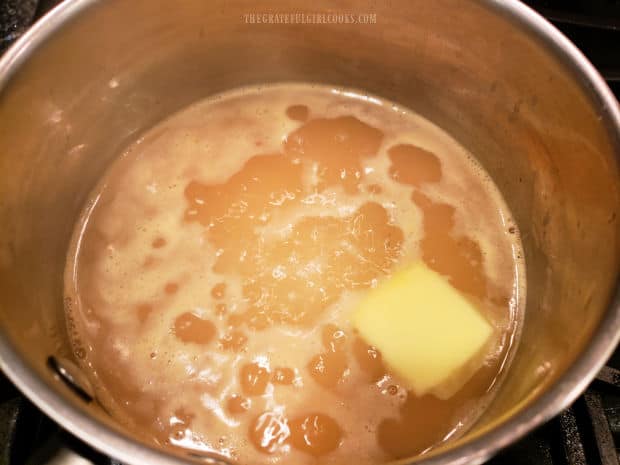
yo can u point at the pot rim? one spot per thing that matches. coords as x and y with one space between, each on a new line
559 396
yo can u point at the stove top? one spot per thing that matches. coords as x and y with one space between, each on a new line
587 433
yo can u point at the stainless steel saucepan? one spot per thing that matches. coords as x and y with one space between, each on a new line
93 74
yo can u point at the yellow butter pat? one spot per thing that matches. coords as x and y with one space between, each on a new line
424 328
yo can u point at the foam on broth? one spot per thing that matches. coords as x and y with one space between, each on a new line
212 273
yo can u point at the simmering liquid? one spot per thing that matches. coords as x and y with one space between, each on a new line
212 276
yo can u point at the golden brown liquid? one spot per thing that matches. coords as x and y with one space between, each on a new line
213 272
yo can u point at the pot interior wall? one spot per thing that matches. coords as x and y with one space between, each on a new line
119 67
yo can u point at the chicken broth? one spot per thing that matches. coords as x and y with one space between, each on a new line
212 276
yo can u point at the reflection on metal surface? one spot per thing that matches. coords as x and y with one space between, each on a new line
67 457
72 376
